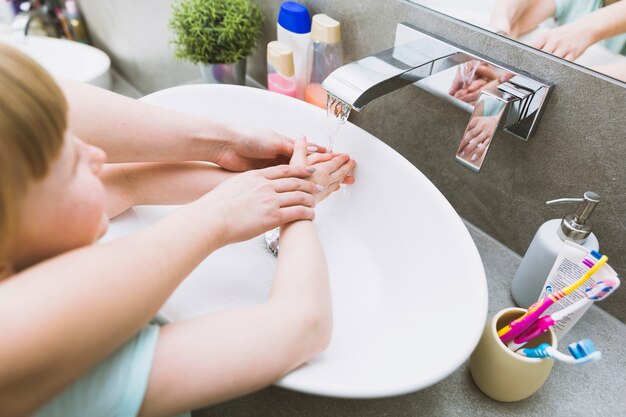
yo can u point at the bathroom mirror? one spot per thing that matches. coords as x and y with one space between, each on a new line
560 27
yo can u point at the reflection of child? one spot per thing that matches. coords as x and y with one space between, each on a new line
581 24
73 315
471 79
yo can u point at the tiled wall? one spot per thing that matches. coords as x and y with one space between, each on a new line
580 144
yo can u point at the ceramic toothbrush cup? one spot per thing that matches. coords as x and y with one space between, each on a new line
503 374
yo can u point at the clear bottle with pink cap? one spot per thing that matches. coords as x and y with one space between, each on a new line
325 56
280 69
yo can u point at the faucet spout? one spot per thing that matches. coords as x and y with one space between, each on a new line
360 82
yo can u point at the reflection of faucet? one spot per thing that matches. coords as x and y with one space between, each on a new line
31 12
21 22
514 105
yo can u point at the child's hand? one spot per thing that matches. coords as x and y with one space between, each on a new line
256 201
331 172
330 169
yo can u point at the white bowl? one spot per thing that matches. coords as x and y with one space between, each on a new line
408 286
64 58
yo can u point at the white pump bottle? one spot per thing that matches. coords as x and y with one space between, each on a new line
546 245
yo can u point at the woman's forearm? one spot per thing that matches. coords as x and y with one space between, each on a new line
70 312
272 338
616 70
159 183
132 131
506 13
606 22
518 17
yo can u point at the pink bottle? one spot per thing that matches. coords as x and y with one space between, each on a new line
280 69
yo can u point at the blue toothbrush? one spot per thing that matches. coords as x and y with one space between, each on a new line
582 352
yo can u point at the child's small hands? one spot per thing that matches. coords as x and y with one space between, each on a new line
331 173
330 169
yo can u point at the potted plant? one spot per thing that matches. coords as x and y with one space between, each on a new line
217 35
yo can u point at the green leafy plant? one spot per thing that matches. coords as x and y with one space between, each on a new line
215 31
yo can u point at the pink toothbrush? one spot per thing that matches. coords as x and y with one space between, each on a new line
519 325
596 292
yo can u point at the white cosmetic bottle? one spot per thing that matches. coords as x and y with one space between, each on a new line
294 29
325 56
546 246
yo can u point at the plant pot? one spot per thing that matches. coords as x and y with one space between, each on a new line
224 73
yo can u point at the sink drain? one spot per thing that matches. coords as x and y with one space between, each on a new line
271 240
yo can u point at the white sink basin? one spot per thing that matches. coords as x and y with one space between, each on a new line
64 58
408 286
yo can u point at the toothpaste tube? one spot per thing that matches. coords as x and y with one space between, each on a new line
573 261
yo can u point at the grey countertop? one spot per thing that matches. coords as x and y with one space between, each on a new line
596 389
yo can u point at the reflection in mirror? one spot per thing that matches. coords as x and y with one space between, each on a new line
591 33
474 76
497 99
485 120
462 84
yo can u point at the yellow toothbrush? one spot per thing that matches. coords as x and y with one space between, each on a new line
519 325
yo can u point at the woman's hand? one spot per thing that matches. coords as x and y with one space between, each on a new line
568 41
242 149
256 201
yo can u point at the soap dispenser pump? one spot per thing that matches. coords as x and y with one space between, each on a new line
547 243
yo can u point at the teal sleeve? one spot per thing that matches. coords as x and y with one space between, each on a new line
559 6
567 11
114 388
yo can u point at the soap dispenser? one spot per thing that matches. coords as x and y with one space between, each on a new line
546 245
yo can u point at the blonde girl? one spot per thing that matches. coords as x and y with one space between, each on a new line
75 338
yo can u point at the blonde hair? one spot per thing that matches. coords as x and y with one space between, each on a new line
33 114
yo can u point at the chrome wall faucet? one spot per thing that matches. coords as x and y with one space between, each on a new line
498 98
43 11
